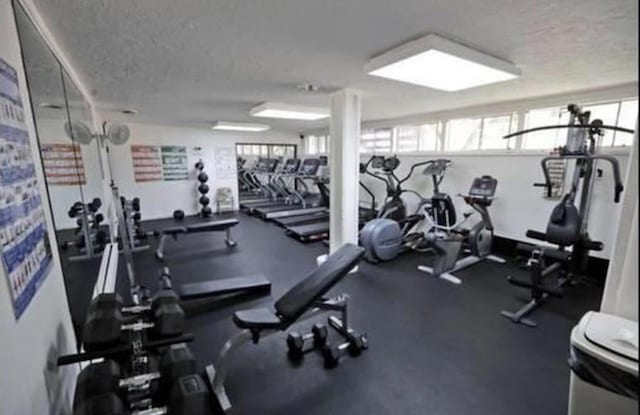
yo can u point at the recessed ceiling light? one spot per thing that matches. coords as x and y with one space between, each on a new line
239 126
291 112
438 63
51 106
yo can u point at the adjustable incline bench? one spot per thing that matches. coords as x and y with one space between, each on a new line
216 226
303 301
253 284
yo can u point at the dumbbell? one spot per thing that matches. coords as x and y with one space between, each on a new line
355 345
135 204
189 396
98 219
105 320
95 204
298 343
105 378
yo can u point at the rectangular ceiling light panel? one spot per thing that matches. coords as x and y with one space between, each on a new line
239 126
438 63
291 112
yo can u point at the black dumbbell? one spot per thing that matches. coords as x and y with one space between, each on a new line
168 315
98 219
105 404
203 188
97 379
95 204
204 201
354 346
297 342
203 177
189 396
135 204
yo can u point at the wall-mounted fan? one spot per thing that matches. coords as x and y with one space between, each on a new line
80 133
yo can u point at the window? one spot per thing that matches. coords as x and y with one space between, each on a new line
621 113
546 139
627 118
463 134
322 144
493 131
412 138
429 134
375 140
407 139
312 144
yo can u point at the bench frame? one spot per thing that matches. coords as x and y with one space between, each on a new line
217 373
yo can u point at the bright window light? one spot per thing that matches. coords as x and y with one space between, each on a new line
291 112
439 63
238 126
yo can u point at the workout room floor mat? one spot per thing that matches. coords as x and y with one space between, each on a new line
435 348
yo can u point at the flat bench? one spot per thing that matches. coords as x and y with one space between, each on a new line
215 226
301 302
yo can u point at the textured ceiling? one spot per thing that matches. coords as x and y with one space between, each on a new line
190 62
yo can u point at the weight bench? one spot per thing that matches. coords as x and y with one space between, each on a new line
303 301
216 226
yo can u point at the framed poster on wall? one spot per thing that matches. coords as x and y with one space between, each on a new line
63 165
25 250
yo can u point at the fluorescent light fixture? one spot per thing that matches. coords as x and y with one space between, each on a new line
238 126
291 112
438 63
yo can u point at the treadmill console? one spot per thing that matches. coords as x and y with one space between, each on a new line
483 187
270 165
324 160
291 166
390 164
309 167
377 162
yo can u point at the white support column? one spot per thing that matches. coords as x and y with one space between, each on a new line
345 160
621 287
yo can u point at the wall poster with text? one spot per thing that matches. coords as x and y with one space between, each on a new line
174 163
63 165
25 250
147 163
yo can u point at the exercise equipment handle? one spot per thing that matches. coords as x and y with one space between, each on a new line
553 127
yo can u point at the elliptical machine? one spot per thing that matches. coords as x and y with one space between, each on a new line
388 235
554 269
449 239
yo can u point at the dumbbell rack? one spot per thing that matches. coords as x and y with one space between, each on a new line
131 215
87 214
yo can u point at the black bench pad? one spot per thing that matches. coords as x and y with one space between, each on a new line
218 225
311 289
174 230
258 318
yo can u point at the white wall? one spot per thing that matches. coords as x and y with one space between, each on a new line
51 131
519 206
30 381
160 199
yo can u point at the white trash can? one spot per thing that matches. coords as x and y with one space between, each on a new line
604 366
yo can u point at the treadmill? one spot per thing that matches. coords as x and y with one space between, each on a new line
298 200
264 166
276 186
307 231
305 216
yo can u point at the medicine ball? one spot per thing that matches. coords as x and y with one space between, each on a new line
204 201
203 177
206 211
178 214
199 165
203 188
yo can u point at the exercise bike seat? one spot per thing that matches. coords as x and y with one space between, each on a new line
257 319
